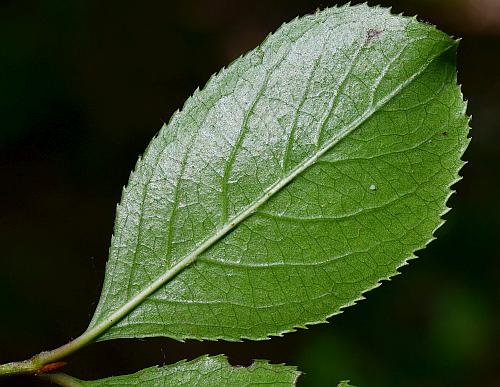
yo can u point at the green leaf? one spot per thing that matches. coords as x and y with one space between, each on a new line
204 371
345 383
300 177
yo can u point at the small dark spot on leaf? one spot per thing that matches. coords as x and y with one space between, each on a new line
373 34
444 133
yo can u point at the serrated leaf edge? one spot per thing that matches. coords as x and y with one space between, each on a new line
294 328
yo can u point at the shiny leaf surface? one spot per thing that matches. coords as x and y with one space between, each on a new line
302 175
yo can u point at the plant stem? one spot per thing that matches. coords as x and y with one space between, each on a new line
63 380
36 363
21 367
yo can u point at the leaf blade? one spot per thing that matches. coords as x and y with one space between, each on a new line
220 295
206 370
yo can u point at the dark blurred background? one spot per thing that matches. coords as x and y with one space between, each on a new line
84 85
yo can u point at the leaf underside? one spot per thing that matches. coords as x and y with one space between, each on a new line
301 176
205 371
